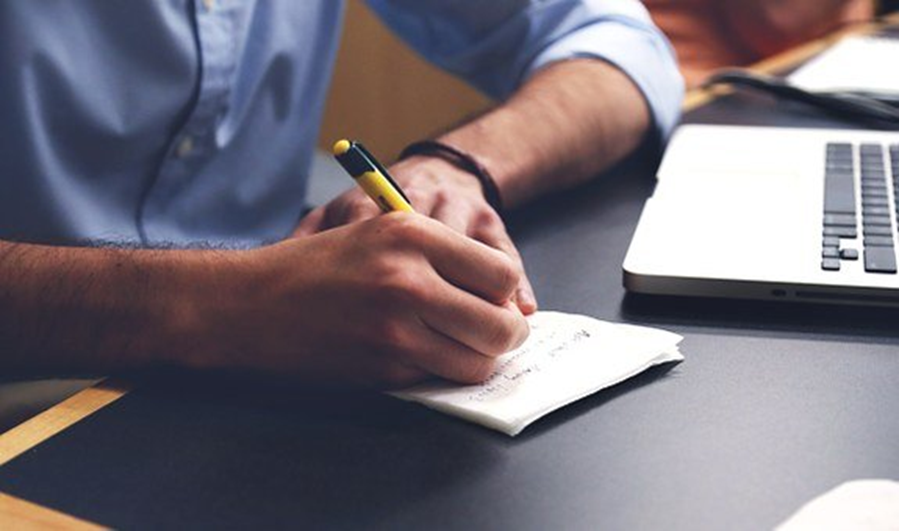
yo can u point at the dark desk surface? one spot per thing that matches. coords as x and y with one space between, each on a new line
773 406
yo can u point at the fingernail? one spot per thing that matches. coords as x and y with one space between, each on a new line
527 303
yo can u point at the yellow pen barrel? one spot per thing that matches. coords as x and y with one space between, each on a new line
383 193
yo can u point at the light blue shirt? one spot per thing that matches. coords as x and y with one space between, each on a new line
154 121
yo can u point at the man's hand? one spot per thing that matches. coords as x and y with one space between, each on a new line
384 302
380 303
439 190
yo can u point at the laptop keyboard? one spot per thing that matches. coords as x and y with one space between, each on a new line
871 165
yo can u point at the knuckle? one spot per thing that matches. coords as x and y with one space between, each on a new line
489 219
401 228
508 273
401 287
500 338
504 336
392 336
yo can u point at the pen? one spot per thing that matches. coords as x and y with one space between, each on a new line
371 176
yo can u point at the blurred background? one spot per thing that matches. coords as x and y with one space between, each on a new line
387 96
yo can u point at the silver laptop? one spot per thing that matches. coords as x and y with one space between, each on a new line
772 213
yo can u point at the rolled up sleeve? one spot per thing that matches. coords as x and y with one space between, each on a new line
496 45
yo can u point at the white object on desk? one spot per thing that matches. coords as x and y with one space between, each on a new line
566 358
865 64
864 504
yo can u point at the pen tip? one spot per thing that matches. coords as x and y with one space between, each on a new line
341 147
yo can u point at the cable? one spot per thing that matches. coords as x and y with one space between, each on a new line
855 106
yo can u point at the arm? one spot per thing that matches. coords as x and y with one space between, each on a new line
571 121
576 114
422 301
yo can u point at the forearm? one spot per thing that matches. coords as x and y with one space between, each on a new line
566 124
95 309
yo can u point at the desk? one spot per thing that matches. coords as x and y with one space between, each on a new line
773 406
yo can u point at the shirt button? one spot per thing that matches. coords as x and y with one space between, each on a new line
185 147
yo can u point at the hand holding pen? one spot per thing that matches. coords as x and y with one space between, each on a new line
436 189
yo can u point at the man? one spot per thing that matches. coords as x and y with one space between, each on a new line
179 132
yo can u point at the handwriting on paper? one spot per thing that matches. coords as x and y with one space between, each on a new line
529 359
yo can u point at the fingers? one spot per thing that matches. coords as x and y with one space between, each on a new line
483 224
349 208
473 266
484 327
492 232
442 356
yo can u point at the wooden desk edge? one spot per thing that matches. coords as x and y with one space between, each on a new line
60 417
23 515
13 443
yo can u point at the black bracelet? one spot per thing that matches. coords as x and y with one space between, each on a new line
461 160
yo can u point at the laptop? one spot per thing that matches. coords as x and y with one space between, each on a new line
772 213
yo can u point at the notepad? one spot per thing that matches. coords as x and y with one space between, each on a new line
565 358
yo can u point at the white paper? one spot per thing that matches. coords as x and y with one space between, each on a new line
866 64
566 358
864 504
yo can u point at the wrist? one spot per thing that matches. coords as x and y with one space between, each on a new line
202 290
461 160
422 171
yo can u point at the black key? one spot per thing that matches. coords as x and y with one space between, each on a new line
875 201
839 167
870 148
874 191
880 260
839 220
876 221
831 241
830 252
839 195
874 180
878 241
839 147
875 211
840 173
877 231
830 264
842 232
849 254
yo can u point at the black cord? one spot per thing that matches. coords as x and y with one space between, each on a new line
855 106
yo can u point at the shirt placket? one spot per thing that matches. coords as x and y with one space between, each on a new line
196 140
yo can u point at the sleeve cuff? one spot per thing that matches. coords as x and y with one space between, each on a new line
641 53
